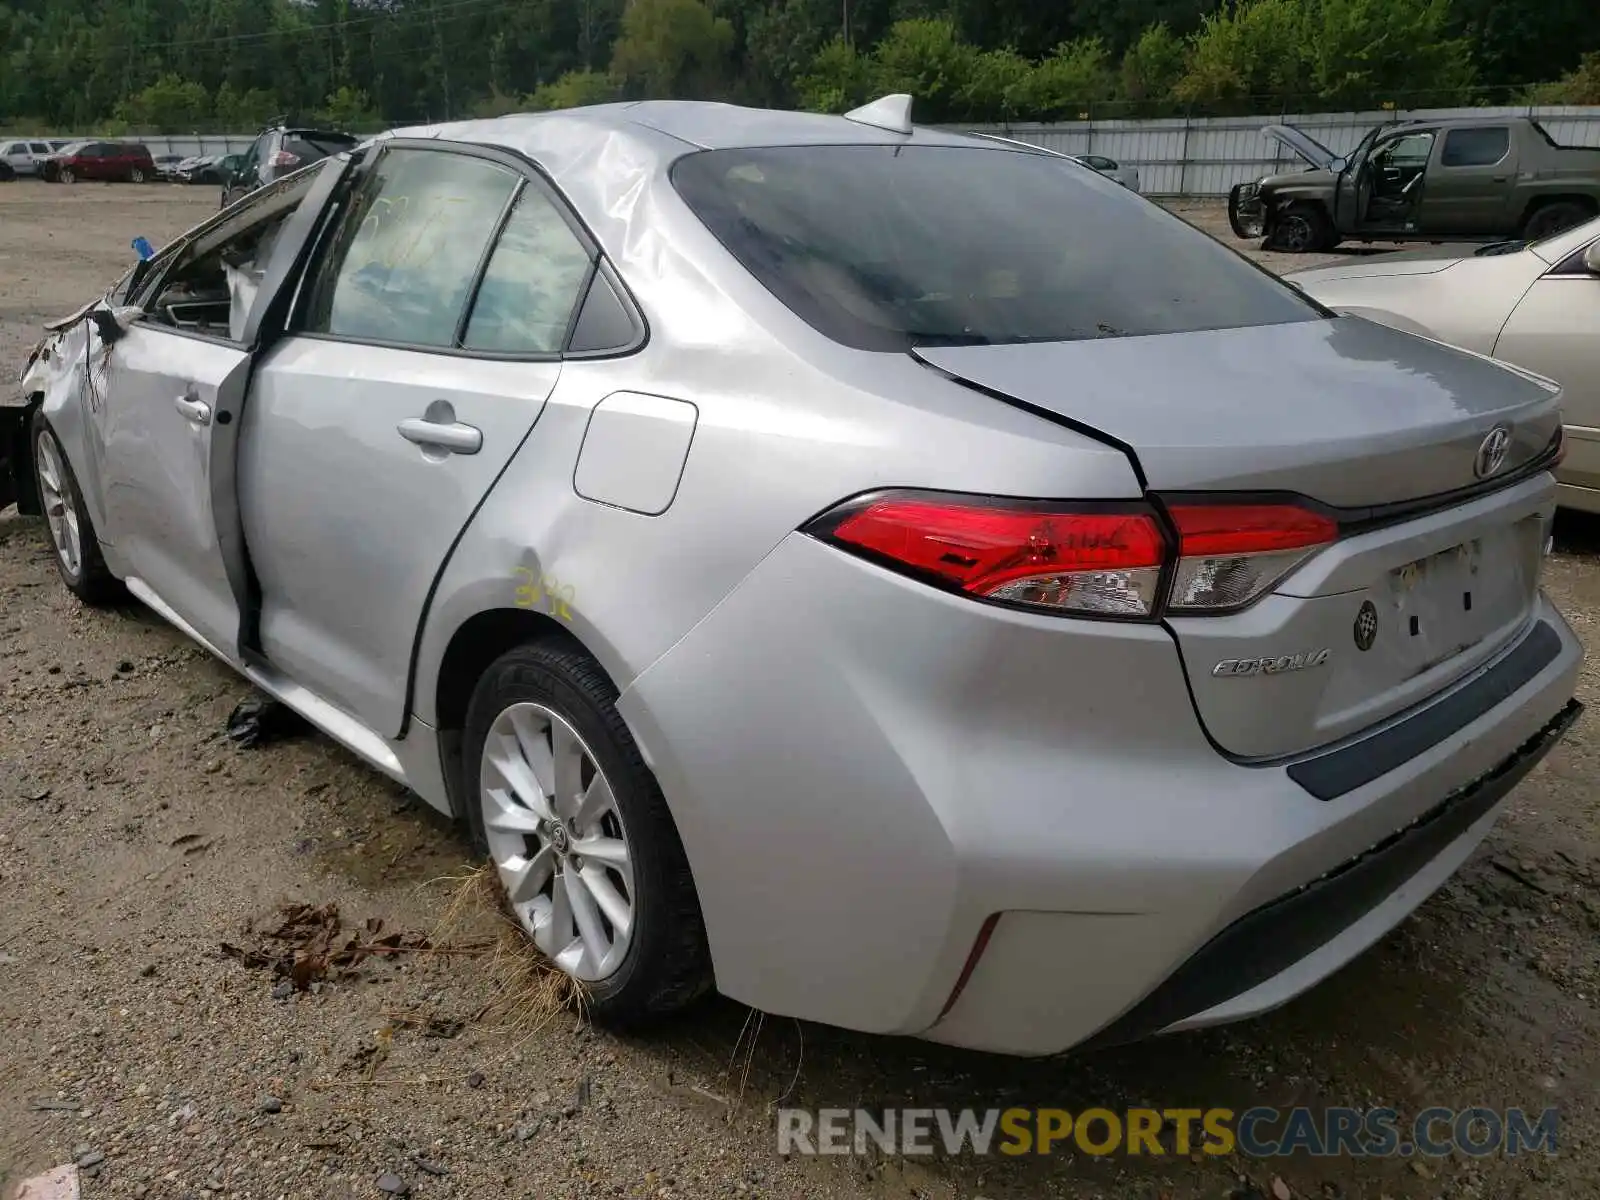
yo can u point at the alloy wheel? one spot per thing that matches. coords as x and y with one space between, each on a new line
137 176
59 512
65 175
557 839
1294 233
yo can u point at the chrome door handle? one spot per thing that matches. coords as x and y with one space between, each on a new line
193 409
449 435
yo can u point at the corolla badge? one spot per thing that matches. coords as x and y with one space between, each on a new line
1492 452
1277 665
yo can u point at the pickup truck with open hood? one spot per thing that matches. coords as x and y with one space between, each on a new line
1459 180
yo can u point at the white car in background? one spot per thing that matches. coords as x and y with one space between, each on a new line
1124 174
1536 305
22 157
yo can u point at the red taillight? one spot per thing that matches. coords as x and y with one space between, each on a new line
1094 559
1088 559
1229 554
284 158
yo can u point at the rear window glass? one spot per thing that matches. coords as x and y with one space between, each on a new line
887 248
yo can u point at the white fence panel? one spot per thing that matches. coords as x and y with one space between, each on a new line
1206 156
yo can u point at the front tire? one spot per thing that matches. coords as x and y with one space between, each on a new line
1301 229
576 825
72 534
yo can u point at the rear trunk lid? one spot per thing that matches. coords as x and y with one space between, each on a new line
1341 410
1421 589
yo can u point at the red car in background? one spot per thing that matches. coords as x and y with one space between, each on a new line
112 162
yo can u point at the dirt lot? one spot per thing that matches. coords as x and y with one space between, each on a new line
136 839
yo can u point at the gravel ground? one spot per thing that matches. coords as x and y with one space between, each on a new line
136 840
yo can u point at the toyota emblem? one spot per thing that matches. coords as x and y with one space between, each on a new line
1492 452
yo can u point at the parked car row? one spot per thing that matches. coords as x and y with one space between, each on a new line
1152 638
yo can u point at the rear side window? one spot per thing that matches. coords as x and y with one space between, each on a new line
40 148
308 145
1475 147
532 283
891 247
408 248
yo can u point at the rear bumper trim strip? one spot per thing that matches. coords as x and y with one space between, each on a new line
1329 776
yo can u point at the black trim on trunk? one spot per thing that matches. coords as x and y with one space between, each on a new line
1272 938
1357 764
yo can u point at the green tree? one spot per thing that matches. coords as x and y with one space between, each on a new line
927 59
1247 53
169 105
996 82
672 48
1363 52
1582 86
1065 84
576 89
1152 66
838 80
349 108
780 42
244 110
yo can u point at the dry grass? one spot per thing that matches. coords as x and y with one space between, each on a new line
529 992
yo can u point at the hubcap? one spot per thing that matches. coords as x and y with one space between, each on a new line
58 511
558 841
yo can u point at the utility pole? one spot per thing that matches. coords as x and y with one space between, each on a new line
846 6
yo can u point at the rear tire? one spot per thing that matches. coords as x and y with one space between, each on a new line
1302 228
531 702
1550 219
65 175
136 176
72 533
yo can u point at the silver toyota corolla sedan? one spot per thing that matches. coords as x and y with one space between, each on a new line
815 569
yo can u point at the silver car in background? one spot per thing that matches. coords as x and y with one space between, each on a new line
1123 173
814 569
1534 304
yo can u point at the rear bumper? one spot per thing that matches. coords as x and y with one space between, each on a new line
1278 950
865 771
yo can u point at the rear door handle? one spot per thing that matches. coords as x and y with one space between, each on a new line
194 409
438 429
